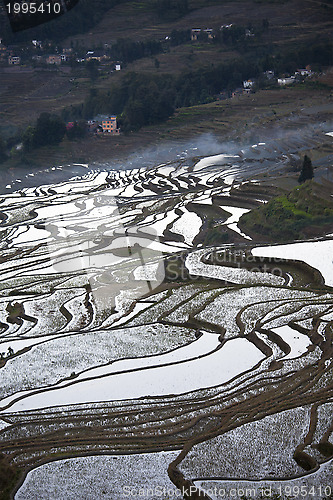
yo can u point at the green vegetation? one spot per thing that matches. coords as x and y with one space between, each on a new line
77 131
9 476
49 130
141 99
186 77
303 211
92 69
3 155
146 99
171 9
127 50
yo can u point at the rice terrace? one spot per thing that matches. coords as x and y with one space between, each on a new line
138 340
166 251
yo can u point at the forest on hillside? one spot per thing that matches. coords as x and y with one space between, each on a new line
144 99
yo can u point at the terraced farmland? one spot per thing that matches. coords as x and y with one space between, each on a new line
133 341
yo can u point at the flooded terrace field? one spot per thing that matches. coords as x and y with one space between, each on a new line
142 331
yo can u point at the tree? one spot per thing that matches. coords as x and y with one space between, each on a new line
78 131
3 154
92 69
265 24
28 138
307 170
50 129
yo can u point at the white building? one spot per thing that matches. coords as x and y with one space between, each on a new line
286 81
248 84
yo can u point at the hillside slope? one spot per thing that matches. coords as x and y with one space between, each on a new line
306 211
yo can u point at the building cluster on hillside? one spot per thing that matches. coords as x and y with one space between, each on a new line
249 85
210 33
197 32
290 79
45 54
39 54
105 126
7 55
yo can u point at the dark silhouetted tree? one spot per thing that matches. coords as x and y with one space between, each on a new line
92 69
50 129
307 170
28 138
3 154
78 131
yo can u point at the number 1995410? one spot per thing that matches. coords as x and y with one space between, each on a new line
305 491
33 8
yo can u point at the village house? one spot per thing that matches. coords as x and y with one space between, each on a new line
53 59
37 44
195 32
269 74
304 72
248 33
248 84
209 32
109 125
96 55
237 92
104 125
221 96
92 126
14 60
3 52
289 80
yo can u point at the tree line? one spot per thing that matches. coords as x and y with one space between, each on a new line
146 99
171 9
127 50
142 99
